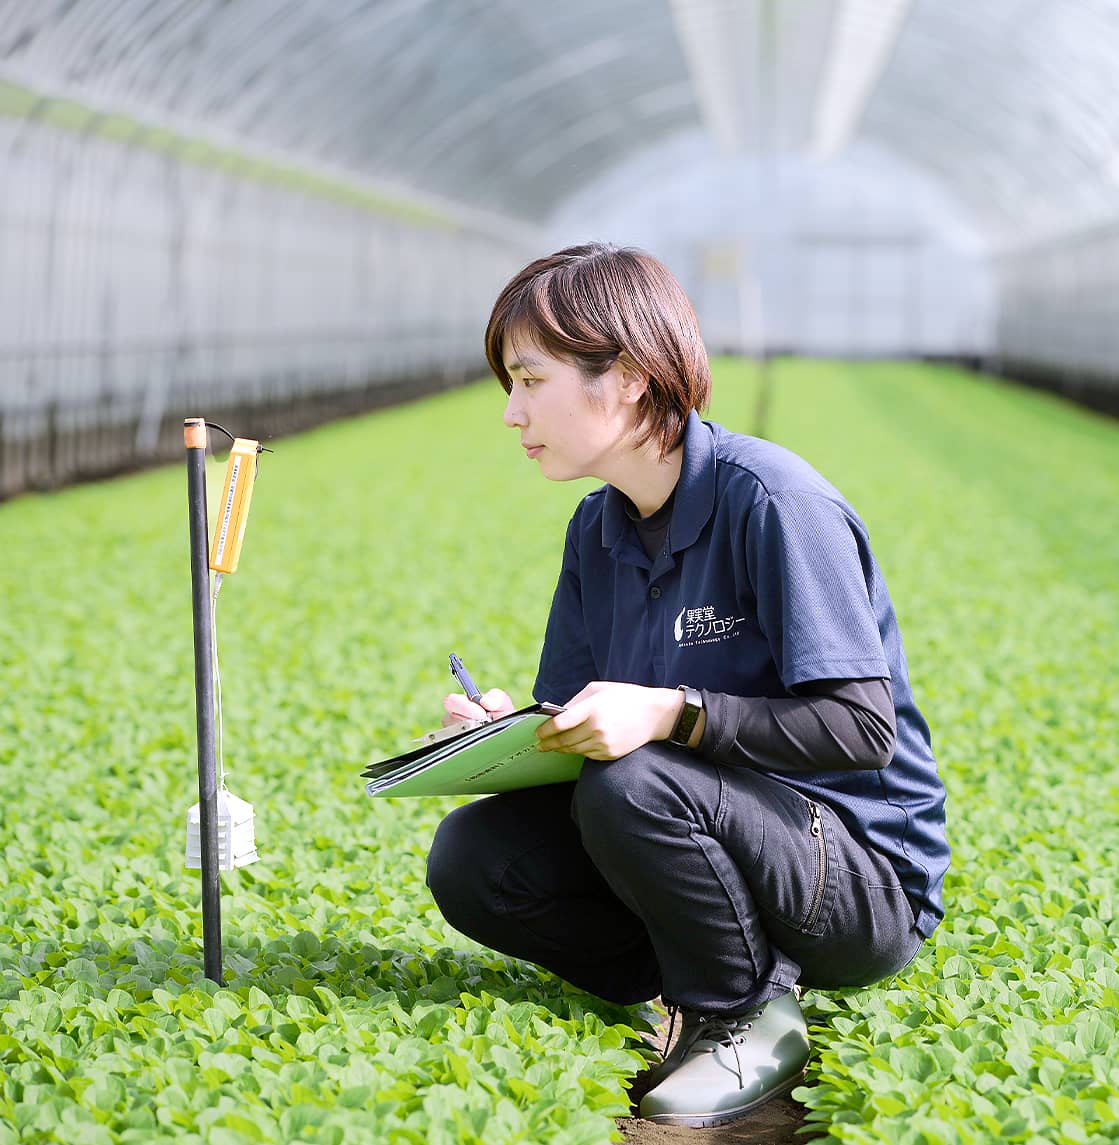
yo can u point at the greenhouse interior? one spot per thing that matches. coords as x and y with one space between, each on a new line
288 222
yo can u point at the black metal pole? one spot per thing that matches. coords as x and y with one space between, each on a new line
767 178
194 433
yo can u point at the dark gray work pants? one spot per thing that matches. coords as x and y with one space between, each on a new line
664 873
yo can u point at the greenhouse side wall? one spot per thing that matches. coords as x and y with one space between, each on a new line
1058 325
138 286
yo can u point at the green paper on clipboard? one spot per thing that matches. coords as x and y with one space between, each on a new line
476 758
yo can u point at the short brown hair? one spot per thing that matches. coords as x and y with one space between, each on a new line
594 303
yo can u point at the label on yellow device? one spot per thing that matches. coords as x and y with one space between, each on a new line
233 511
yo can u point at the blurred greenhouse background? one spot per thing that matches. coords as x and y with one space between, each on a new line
287 211
279 213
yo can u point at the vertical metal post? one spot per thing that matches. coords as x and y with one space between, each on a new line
767 128
194 435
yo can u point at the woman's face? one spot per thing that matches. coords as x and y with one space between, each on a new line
559 426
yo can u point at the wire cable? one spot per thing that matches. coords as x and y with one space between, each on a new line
218 577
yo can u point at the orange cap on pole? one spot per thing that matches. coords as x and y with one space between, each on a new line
194 432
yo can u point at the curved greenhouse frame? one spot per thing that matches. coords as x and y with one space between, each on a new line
304 209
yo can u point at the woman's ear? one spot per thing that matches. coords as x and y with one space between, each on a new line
633 381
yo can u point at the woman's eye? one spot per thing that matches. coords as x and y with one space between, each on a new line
530 382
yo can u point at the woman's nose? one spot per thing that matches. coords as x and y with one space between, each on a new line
512 415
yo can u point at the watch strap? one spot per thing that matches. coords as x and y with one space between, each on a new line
689 714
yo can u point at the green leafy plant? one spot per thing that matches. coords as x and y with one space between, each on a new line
352 1011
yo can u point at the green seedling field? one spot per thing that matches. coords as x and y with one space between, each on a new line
352 1013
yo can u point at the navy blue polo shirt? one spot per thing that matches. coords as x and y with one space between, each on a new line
766 582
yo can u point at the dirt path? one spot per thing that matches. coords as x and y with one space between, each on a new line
774 1124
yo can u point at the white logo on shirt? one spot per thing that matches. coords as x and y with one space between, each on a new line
704 626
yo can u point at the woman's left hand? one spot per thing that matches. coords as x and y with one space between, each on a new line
607 720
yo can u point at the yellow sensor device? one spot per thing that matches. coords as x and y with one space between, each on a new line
233 512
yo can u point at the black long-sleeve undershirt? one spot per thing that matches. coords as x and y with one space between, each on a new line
832 725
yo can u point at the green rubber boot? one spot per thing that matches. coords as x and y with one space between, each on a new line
689 1020
722 1068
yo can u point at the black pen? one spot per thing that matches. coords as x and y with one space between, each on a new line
458 670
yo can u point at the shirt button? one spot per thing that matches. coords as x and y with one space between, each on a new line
655 592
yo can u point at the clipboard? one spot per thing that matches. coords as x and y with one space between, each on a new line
482 758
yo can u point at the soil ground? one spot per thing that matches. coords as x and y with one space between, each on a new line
775 1123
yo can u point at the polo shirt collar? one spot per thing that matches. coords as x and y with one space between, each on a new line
695 493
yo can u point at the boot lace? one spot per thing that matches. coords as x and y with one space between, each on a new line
673 1014
708 1032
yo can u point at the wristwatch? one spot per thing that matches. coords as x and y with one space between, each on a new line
689 713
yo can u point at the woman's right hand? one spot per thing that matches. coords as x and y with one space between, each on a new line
493 705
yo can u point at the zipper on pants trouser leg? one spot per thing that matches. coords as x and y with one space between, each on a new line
821 865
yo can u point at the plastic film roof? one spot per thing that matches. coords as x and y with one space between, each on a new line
1011 103
511 106
500 104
